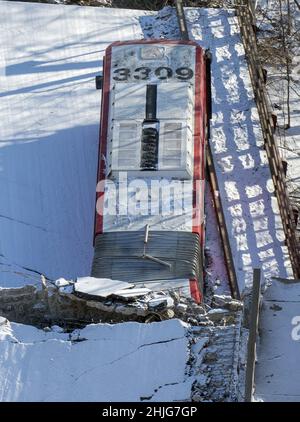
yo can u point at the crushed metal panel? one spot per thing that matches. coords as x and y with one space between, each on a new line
119 255
132 293
181 285
102 287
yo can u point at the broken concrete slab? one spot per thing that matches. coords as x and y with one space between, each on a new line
226 302
122 361
164 361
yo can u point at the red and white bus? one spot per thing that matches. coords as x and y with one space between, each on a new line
149 224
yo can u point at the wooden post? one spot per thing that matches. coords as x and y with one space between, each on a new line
253 325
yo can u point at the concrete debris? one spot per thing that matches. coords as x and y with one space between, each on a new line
158 303
214 364
3 321
166 304
61 282
217 360
123 298
181 308
226 302
66 286
69 303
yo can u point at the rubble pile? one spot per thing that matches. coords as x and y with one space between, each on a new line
215 331
88 300
217 362
117 297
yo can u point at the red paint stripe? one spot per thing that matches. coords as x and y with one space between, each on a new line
103 139
195 292
198 145
199 160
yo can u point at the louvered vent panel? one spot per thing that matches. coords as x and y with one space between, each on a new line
126 146
172 145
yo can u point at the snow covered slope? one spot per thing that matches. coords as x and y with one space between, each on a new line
165 361
49 128
123 362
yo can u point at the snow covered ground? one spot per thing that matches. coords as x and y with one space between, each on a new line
50 109
165 361
124 362
277 369
288 139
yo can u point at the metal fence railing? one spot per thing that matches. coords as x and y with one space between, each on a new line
253 328
246 23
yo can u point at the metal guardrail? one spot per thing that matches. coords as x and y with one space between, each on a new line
213 181
245 18
253 328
